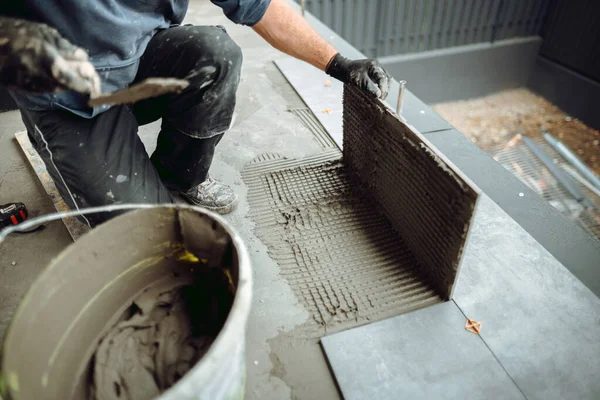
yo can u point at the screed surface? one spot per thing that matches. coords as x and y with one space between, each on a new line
425 354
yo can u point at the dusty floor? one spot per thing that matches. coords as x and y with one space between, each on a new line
495 119
29 252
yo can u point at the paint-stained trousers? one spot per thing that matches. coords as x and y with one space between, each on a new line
102 160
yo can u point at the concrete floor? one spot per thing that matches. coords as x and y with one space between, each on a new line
262 125
30 252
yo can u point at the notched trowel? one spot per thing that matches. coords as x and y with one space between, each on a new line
151 87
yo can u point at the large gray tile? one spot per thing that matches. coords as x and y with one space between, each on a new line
540 321
426 354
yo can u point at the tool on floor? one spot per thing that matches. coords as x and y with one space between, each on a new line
12 214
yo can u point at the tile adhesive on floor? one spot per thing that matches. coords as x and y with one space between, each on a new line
375 232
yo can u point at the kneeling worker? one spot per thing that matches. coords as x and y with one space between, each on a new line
95 155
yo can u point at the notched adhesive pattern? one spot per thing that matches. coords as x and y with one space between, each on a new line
341 257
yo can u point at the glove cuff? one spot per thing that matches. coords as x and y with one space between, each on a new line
338 68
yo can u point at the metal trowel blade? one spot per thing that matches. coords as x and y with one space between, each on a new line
151 87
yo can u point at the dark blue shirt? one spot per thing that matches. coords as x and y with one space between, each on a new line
115 34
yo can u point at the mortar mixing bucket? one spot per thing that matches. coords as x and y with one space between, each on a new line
94 286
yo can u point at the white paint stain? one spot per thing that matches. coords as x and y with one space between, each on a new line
205 84
121 178
110 194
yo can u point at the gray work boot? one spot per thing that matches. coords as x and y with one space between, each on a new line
212 195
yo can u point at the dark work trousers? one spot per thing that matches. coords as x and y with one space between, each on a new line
102 160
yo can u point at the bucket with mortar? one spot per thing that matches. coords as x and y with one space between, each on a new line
151 304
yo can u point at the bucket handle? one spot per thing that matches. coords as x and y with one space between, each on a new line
30 223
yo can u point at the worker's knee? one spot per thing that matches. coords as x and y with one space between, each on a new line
212 46
233 53
229 61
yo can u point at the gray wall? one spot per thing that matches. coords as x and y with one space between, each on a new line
572 92
460 73
389 27
571 35
567 71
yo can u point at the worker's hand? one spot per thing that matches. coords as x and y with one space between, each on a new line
367 75
36 58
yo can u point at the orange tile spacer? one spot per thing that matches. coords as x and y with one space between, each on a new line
473 326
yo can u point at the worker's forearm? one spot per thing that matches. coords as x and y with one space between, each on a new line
287 31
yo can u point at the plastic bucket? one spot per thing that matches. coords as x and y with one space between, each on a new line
53 343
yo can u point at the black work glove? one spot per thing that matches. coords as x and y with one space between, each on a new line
36 58
367 75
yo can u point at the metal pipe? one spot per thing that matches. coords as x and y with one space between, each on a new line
559 174
573 172
400 98
302 6
573 159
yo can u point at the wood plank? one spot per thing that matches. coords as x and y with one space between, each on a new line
74 226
